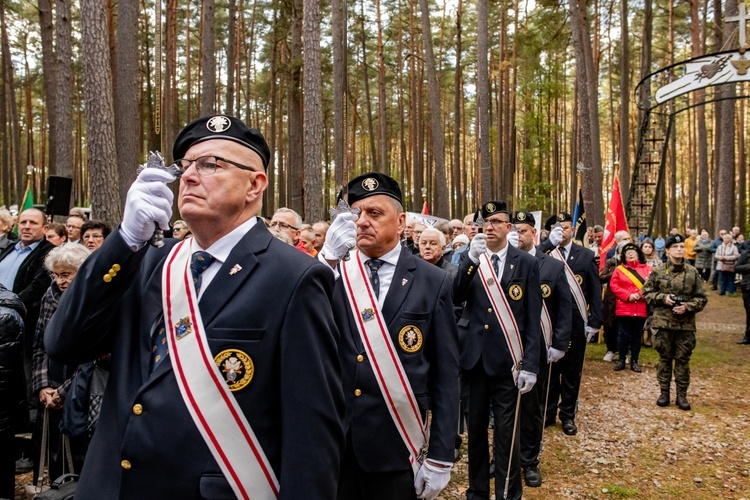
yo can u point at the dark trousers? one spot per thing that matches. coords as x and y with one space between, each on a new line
746 302
7 465
503 393
566 375
611 335
705 273
631 333
358 484
532 417
726 282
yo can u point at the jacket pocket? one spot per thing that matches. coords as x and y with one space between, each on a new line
416 316
236 333
215 487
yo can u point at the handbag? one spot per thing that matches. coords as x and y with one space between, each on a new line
83 403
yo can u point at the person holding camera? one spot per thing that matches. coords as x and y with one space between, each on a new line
675 291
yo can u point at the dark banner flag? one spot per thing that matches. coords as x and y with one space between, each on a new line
579 217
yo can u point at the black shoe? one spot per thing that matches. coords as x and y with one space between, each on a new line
24 465
635 367
682 402
532 476
663 399
744 341
569 427
620 365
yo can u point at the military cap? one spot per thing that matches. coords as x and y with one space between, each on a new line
522 217
370 184
226 127
492 208
559 217
674 238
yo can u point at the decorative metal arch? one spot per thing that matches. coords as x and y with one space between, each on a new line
666 97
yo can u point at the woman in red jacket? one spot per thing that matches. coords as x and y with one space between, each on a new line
626 284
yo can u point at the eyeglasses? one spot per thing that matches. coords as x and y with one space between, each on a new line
177 228
71 226
62 276
93 236
496 222
206 165
281 225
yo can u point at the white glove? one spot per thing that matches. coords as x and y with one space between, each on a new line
526 381
554 355
591 333
431 479
477 247
149 203
556 235
513 239
340 237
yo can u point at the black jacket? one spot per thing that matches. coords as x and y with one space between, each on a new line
743 267
14 413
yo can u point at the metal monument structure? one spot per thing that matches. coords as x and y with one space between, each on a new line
667 94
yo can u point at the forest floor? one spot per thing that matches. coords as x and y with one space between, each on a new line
626 446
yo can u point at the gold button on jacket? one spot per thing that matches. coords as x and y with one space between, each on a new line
357 392
125 465
137 409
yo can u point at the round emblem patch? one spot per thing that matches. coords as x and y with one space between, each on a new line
410 339
218 124
515 292
546 291
490 207
561 217
236 367
370 184
579 279
521 216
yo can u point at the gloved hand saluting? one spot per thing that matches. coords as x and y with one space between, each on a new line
526 381
431 479
513 239
340 237
556 235
478 247
149 203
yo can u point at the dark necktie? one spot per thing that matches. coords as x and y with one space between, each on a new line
199 262
496 264
374 265
562 252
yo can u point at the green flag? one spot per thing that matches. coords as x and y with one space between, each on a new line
28 202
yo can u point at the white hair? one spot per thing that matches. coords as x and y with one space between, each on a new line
432 230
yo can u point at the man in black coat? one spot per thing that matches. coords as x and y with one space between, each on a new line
413 299
268 341
559 304
566 375
487 363
22 271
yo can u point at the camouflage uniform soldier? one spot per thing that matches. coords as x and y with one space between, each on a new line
675 292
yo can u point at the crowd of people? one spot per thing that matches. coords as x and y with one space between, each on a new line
269 357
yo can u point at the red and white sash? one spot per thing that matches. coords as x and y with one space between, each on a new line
546 325
575 287
386 365
212 406
504 315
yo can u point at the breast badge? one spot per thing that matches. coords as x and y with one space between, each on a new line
183 328
410 339
579 279
515 292
546 291
368 314
236 367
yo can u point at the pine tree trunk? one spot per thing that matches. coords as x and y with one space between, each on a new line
726 186
208 59
382 114
374 156
295 166
64 86
458 195
624 99
100 123
483 97
231 57
313 111
49 64
126 119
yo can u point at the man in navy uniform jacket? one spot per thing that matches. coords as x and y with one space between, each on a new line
262 301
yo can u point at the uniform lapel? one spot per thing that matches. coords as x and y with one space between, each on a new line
403 278
510 266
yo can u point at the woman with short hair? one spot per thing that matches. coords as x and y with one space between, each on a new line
93 233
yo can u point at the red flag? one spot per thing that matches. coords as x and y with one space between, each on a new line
615 221
425 210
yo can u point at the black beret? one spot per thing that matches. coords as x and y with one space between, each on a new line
559 217
522 217
629 246
370 184
206 128
494 207
674 238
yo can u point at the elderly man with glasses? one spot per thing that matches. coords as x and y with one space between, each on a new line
289 222
214 392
